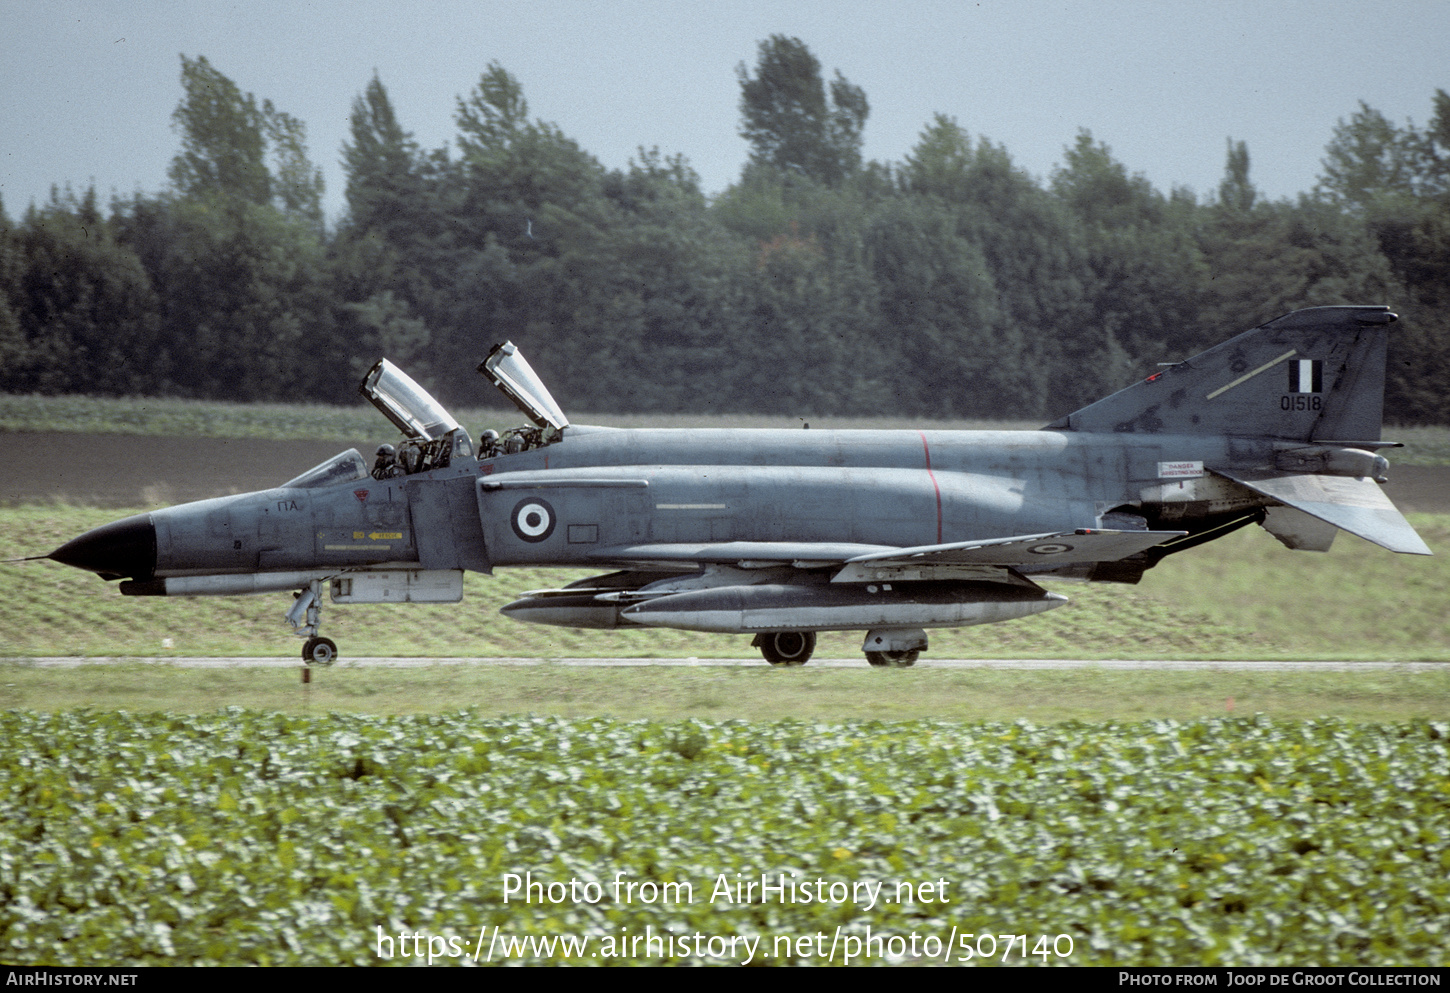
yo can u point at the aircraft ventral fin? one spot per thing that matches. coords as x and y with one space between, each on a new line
1351 503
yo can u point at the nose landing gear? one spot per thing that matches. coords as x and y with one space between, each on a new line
305 618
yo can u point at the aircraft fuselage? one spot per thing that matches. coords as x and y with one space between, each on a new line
603 488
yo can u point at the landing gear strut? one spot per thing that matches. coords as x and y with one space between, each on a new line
305 618
786 647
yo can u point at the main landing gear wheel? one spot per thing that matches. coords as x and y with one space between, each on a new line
319 651
786 647
893 660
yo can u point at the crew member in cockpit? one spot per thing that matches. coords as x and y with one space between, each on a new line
385 465
488 444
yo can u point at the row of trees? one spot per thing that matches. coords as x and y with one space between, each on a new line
949 284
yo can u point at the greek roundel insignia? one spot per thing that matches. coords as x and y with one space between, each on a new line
1050 548
533 519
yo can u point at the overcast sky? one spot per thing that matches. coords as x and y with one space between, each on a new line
87 87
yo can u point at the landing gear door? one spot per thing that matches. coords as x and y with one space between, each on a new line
511 373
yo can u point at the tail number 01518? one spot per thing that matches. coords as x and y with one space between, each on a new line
1301 401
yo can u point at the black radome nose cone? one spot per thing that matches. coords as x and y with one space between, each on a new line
119 550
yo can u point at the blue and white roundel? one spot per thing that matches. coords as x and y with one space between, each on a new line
533 519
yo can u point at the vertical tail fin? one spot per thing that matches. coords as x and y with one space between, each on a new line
1314 375
1314 379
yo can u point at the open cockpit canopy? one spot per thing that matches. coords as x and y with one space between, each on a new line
434 437
511 373
405 403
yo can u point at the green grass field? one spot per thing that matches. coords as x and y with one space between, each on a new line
754 693
1244 597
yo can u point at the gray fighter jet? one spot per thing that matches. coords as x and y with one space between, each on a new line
782 534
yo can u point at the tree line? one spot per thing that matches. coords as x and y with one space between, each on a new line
950 284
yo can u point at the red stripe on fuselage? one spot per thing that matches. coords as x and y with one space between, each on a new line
935 485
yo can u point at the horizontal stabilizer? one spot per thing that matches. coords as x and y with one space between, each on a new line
1353 504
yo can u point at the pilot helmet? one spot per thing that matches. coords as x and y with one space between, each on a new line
386 451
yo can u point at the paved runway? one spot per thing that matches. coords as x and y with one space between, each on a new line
851 663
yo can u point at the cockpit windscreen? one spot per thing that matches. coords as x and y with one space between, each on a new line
347 467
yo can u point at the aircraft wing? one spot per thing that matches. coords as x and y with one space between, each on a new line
1001 560
992 559
1352 503
1060 548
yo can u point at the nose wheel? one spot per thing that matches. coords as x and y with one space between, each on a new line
319 651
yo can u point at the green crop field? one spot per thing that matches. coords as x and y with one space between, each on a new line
244 837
